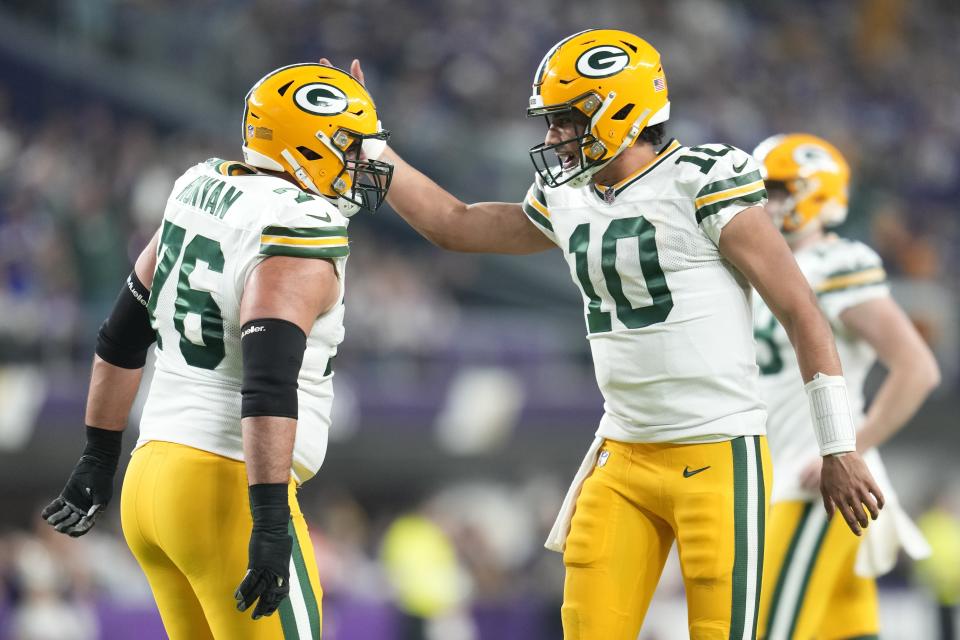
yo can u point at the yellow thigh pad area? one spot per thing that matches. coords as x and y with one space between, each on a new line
186 518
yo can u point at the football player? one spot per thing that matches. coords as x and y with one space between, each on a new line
242 288
810 586
663 241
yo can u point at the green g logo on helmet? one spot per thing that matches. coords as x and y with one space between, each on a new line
321 99
602 61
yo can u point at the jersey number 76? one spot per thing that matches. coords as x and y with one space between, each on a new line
200 346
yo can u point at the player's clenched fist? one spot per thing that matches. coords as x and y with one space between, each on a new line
267 581
90 486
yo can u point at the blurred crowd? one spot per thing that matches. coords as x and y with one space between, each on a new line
80 185
82 182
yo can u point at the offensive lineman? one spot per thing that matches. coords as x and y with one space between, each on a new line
242 288
818 582
662 241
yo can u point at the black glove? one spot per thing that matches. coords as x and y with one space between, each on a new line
268 569
90 486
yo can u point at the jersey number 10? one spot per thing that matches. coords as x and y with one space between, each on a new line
203 349
656 282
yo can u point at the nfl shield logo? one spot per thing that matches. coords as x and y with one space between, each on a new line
609 195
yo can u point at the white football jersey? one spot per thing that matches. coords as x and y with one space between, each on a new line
668 319
843 273
221 220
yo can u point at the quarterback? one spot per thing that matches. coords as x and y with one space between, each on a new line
242 290
663 240
818 578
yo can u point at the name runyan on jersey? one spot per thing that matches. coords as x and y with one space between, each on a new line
221 220
668 320
843 273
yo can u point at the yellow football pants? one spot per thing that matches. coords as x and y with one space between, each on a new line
186 517
810 591
711 498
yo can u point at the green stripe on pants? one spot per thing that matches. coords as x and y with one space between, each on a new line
309 597
761 527
806 576
787 561
740 494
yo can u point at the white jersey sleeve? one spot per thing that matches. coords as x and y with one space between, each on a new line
535 206
853 273
730 184
304 227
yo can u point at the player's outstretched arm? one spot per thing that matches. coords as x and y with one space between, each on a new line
912 371
444 220
277 313
484 227
115 377
753 245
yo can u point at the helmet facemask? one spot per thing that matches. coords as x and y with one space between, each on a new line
363 180
592 153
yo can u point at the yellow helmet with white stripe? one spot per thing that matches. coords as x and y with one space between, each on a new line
814 175
612 77
318 124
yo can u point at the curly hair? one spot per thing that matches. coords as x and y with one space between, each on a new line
654 134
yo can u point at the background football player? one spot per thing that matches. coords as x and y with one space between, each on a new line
662 241
242 289
815 583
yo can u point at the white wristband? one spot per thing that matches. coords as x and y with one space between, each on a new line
830 410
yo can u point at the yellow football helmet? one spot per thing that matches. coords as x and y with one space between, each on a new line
615 79
814 175
320 125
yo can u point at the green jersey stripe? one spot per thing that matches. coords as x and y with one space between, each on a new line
740 515
304 252
852 287
537 193
309 597
710 209
728 183
852 272
304 232
537 217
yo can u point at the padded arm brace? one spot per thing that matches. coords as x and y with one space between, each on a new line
126 334
272 354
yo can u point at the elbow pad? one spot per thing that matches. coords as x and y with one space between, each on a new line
272 354
126 334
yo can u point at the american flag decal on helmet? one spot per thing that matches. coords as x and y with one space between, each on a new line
659 84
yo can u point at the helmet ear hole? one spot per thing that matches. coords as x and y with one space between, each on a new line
623 112
309 153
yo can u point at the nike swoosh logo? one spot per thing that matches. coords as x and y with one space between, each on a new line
324 218
737 169
687 472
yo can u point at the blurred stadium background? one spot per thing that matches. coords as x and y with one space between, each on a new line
465 392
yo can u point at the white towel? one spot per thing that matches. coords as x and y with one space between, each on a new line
885 537
557 539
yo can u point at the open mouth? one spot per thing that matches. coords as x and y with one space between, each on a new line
568 161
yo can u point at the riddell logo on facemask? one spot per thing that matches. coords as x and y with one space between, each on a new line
253 329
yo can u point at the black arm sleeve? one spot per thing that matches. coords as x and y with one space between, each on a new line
272 354
126 334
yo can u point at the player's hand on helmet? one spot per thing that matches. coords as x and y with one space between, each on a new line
90 486
355 69
267 581
847 486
